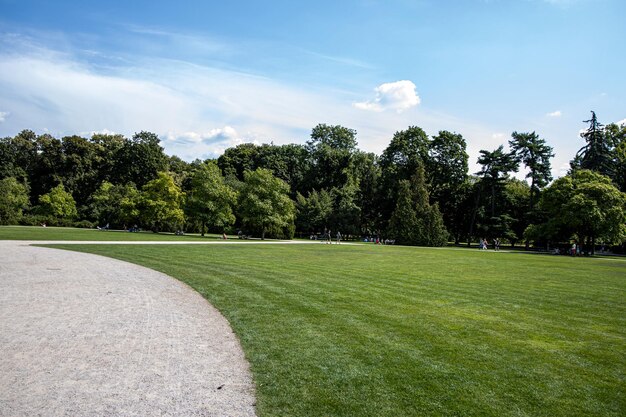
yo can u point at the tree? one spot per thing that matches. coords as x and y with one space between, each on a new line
596 154
531 150
313 211
210 200
346 213
447 171
115 205
239 159
330 150
365 171
616 136
399 161
13 200
584 205
496 166
58 203
160 203
80 170
290 163
415 221
139 160
264 203
403 222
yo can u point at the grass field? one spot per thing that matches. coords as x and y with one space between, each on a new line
69 233
394 331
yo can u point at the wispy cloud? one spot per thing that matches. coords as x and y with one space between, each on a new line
341 60
399 96
554 114
198 110
3 115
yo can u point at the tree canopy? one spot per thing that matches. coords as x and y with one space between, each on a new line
277 190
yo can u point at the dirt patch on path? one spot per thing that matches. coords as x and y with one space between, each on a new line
84 335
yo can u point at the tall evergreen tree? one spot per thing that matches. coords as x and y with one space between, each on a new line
596 154
403 223
415 221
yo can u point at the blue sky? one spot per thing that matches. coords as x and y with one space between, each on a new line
208 75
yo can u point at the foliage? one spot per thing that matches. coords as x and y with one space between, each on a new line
264 202
403 223
239 159
584 205
13 200
596 154
616 136
496 166
415 221
313 211
139 160
115 205
330 151
160 203
447 167
58 203
533 152
210 200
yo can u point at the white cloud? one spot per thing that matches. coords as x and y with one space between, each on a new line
202 145
399 96
3 115
554 114
200 111
621 122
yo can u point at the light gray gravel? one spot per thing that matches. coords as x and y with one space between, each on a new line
83 335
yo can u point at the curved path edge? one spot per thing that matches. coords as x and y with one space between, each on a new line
85 335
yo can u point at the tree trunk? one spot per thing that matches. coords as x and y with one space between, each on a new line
263 234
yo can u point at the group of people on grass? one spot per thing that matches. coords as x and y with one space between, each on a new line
483 244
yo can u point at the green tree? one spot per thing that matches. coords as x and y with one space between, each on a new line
447 173
535 154
115 205
313 211
160 203
616 136
596 154
399 161
210 200
139 160
584 205
13 200
264 203
330 150
413 203
346 214
58 203
403 223
80 172
239 159
366 172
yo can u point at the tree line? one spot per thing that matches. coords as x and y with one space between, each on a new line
419 191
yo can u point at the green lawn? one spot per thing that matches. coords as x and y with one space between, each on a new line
69 233
392 331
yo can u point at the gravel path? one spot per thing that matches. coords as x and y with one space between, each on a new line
84 335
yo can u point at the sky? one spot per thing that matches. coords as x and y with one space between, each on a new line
209 75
